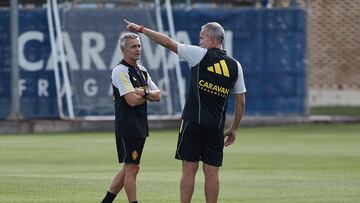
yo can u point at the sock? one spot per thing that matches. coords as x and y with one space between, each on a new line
134 202
109 198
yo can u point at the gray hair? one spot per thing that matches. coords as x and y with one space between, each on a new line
123 38
214 29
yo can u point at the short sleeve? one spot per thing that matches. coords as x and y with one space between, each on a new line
239 86
151 84
190 53
121 80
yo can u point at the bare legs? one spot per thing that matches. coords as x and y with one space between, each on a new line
131 171
211 183
188 181
118 182
126 178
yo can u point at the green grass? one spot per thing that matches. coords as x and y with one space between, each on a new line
310 163
336 110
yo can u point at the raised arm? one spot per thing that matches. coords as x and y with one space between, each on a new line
157 37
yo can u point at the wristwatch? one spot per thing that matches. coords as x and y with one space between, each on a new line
146 92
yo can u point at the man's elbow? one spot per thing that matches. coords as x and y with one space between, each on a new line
132 103
242 103
156 98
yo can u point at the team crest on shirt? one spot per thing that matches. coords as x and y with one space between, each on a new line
134 78
134 155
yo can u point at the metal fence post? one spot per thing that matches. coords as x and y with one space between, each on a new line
15 96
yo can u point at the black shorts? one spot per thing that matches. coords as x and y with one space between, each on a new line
129 149
200 143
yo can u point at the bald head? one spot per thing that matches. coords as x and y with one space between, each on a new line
214 29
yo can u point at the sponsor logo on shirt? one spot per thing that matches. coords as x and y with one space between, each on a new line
213 89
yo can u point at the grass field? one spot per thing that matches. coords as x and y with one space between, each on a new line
336 110
311 163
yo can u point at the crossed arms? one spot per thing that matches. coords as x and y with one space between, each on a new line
136 97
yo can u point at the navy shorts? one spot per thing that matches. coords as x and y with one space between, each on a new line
129 149
200 143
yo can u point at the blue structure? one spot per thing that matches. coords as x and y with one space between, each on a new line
269 43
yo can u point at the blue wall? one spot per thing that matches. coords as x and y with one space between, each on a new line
5 61
270 45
